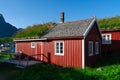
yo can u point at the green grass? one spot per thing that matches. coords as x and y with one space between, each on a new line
110 71
4 57
34 30
6 68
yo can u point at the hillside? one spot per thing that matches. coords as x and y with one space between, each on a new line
33 31
110 22
6 29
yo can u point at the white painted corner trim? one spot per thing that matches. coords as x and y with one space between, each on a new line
83 53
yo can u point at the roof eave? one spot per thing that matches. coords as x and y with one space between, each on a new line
63 38
90 26
22 40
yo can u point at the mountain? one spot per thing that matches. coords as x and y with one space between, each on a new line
6 29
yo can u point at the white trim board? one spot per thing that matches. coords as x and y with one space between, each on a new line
83 53
30 39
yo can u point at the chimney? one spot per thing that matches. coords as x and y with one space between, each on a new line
62 17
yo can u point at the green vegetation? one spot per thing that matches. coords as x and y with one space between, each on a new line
39 29
33 31
110 22
110 70
6 69
4 56
5 40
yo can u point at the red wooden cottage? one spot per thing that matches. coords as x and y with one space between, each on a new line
111 40
74 44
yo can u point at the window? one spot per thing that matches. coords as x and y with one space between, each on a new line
106 39
32 44
59 48
96 47
90 48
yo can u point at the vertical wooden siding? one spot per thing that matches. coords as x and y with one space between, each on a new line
115 46
72 53
25 47
38 46
94 36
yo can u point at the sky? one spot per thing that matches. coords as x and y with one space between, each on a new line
24 13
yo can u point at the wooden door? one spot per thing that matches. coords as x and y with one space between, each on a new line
39 51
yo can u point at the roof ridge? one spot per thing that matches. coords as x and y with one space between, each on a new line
77 20
72 28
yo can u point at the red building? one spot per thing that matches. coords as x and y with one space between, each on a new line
29 47
111 40
74 44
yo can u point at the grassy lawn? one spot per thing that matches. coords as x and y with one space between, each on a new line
5 56
110 70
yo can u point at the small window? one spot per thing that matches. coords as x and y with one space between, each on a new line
33 44
90 48
59 48
106 39
96 48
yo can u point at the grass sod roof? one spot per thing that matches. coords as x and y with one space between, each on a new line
109 22
34 31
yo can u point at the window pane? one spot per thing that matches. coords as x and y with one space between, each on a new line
57 44
57 50
61 44
33 44
57 47
61 51
61 47
97 47
106 38
90 48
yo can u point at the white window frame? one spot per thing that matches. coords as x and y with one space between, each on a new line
90 45
107 39
33 44
96 48
59 46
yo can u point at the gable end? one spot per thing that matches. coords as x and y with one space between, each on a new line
90 27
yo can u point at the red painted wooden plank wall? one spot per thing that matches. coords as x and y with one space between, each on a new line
25 47
115 46
72 53
94 36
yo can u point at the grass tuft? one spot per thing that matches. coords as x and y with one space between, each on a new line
110 70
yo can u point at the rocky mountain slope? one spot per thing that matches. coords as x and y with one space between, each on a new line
6 29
